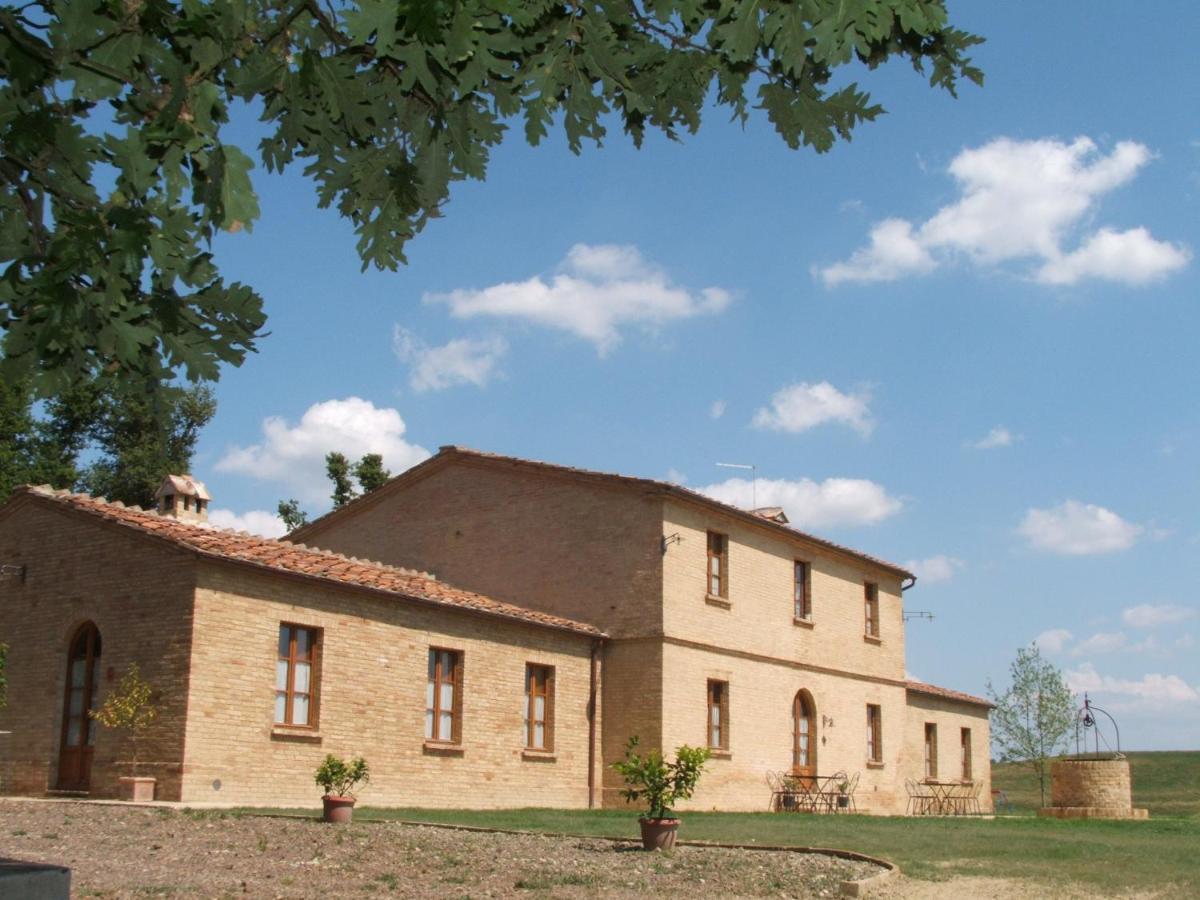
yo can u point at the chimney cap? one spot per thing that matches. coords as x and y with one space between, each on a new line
184 486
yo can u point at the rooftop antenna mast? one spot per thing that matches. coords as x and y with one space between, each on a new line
753 479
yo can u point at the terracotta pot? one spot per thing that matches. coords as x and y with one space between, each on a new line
658 834
138 789
338 810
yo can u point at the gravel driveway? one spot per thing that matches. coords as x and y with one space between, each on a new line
120 851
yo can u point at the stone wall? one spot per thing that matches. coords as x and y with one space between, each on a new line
1091 782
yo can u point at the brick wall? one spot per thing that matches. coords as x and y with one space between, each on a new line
1102 783
758 615
950 717
372 699
540 540
138 592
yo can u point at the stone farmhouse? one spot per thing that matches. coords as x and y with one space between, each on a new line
586 607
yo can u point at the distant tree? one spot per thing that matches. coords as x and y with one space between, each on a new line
291 513
42 446
117 171
370 473
1033 717
337 467
142 436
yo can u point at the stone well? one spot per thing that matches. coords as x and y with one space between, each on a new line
1091 787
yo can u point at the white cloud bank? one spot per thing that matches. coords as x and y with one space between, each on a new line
935 569
811 504
597 290
799 407
1153 689
256 521
997 437
1145 615
1054 640
1101 642
460 361
1022 201
1078 529
294 455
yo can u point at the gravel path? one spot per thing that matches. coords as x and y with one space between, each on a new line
117 851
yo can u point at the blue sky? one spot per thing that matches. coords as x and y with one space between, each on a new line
966 341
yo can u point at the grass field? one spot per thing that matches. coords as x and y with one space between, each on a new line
1101 857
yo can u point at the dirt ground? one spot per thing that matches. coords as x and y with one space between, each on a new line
116 851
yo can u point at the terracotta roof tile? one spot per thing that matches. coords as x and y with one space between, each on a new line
297 559
920 687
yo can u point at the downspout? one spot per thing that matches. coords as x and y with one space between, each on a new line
597 646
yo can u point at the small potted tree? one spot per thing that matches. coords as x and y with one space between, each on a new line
130 707
338 778
660 784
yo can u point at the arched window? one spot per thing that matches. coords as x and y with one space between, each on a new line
79 728
804 734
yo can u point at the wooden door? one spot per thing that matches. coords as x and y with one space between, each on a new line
804 736
79 728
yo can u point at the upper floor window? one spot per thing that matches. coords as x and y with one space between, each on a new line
539 707
443 696
966 754
930 750
801 594
871 609
874 733
295 676
718 564
718 715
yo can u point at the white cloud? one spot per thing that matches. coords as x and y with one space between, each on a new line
1078 529
294 455
256 521
1022 201
676 477
1101 642
1144 615
811 504
717 409
997 437
1054 640
935 569
461 361
798 407
1153 689
598 290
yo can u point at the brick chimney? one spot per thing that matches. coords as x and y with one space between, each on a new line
182 497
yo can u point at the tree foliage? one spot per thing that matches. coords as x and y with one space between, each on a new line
338 778
1034 716
135 436
115 174
658 783
129 707
291 514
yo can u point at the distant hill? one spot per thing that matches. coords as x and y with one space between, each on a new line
1165 782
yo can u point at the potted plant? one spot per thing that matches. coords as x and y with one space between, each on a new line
660 784
843 798
338 778
130 706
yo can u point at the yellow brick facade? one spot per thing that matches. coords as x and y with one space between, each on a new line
634 562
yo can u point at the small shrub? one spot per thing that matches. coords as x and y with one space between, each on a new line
130 706
338 778
658 783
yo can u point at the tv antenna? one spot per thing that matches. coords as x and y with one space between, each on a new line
753 479
917 614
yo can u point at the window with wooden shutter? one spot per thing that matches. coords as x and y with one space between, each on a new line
718 715
443 696
966 754
801 599
296 676
718 564
539 707
874 733
931 768
871 609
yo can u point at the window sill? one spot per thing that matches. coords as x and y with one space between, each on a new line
803 623
714 600
442 748
716 753
875 764
872 639
295 733
539 755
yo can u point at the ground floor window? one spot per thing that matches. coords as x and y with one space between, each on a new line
539 707
718 715
966 754
874 733
930 750
443 696
295 676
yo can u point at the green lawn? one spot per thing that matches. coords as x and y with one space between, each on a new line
1105 857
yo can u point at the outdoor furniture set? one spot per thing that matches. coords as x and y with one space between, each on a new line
812 793
942 798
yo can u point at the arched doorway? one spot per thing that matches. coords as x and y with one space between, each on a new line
804 734
79 728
